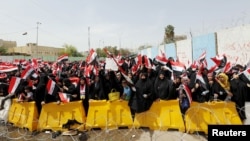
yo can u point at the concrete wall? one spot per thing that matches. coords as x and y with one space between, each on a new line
204 43
233 42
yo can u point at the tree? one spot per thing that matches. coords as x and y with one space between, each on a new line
100 52
71 51
169 34
3 50
122 51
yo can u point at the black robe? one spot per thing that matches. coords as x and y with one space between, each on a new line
96 91
137 102
40 91
86 100
239 90
164 89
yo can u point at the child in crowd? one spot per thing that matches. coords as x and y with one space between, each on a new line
126 90
28 96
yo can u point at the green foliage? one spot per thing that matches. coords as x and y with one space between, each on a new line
169 29
100 52
71 51
3 50
122 51
169 34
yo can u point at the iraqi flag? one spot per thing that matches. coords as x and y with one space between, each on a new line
120 68
138 59
245 75
64 97
220 61
62 58
147 62
51 87
74 80
27 72
177 66
161 58
14 84
202 62
201 80
91 56
7 68
188 93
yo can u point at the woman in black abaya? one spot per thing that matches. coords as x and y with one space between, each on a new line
142 99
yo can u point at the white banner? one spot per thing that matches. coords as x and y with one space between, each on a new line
111 65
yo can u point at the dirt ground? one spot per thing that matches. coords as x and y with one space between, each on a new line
11 133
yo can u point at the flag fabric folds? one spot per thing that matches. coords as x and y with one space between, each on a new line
51 87
14 84
64 97
62 58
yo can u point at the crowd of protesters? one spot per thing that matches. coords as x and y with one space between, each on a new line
140 87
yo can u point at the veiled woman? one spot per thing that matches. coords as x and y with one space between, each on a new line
142 99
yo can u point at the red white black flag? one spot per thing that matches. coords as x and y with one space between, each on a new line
27 72
91 57
64 97
14 84
188 93
63 57
51 87
162 58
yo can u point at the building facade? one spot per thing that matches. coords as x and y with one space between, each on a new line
7 44
32 49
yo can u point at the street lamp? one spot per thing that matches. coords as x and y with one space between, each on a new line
37 24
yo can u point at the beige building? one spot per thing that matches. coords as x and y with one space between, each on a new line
37 51
7 44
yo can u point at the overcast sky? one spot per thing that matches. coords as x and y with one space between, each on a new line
121 23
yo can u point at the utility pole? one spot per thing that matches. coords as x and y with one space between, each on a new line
89 37
37 24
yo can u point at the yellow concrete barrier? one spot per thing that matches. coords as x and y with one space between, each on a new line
121 113
108 115
53 116
162 115
200 115
99 114
23 115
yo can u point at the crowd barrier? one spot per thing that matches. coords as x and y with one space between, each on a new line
56 116
200 115
108 115
162 115
23 114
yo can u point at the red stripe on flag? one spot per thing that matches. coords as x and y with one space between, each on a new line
14 83
162 58
27 72
91 57
188 93
62 57
64 97
177 66
51 86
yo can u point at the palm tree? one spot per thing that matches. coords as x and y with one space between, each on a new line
169 34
